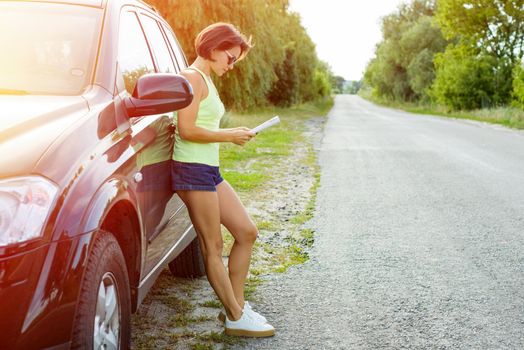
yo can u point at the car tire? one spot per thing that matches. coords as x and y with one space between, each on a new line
190 263
105 282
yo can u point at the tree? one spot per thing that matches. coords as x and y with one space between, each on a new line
403 66
386 75
284 91
337 83
493 26
282 47
304 54
493 31
352 87
418 45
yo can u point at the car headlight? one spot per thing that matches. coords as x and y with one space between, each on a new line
25 203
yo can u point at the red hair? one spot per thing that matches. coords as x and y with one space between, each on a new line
221 36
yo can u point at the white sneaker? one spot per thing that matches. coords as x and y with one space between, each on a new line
253 313
247 308
246 326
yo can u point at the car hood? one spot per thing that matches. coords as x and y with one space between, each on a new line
30 124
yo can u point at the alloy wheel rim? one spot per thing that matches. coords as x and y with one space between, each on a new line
107 317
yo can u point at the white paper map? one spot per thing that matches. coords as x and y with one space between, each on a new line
273 121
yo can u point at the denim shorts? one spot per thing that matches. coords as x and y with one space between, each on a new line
194 177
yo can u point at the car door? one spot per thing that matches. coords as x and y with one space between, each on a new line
152 140
167 218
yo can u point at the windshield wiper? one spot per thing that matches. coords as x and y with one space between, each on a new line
13 92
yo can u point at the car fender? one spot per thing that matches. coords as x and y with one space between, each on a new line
110 193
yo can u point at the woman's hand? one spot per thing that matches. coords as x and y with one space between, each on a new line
241 135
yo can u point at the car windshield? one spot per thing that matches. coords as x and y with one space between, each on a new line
47 49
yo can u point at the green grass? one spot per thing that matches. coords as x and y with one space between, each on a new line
262 157
178 305
301 218
507 116
244 182
221 338
199 346
296 252
144 342
308 237
268 148
177 337
182 320
250 167
266 225
251 286
511 117
295 256
212 303
179 320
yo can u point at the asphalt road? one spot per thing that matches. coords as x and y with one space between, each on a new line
419 238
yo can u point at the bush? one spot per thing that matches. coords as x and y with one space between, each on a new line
321 82
468 80
518 86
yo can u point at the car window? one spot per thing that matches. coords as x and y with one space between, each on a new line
47 49
158 45
134 58
179 55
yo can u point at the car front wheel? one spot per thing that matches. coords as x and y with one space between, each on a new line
103 317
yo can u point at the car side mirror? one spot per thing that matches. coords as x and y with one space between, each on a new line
159 93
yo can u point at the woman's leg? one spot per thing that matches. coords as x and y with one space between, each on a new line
205 214
235 218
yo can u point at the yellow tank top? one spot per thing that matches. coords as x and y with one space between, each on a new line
210 111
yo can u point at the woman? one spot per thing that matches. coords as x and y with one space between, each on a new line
211 201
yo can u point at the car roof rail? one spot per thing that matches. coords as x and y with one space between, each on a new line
89 3
148 5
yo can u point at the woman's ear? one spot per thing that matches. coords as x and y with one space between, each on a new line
212 54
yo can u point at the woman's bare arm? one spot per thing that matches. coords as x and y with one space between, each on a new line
187 128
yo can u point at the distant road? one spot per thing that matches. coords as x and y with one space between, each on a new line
419 238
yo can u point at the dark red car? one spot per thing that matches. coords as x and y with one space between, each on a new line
88 219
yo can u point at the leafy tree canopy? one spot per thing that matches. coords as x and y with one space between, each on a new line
283 57
495 26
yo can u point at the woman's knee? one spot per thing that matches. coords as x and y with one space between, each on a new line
249 235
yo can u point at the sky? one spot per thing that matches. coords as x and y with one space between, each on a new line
345 31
